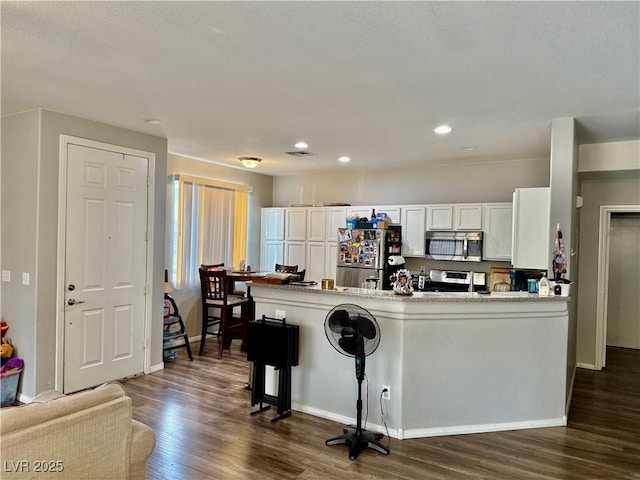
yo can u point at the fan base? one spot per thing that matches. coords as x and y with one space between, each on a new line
358 442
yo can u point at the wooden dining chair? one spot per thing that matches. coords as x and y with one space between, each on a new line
286 268
291 269
235 291
214 286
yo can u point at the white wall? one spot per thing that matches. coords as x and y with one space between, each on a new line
605 186
414 184
30 163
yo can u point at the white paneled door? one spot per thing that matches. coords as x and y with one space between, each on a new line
105 266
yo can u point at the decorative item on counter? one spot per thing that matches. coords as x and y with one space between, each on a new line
543 287
402 282
559 263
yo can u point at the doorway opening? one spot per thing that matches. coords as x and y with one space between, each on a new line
607 212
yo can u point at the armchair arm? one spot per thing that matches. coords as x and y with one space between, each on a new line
143 441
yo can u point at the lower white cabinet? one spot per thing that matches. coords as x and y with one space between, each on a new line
295 253
272 252
330 261
531 246
497 222
315 265
413 230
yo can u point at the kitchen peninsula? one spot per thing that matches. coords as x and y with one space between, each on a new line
455 362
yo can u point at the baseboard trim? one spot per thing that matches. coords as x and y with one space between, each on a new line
484 428
344 420
156 368
402 434
588 366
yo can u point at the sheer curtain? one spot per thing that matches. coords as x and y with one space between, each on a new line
202 219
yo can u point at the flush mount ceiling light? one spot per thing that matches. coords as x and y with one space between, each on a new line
152 121
344 159
250 162
301 145
442 129
469 149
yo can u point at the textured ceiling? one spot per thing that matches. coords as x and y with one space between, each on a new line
366 79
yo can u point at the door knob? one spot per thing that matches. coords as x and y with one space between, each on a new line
71 287
73 301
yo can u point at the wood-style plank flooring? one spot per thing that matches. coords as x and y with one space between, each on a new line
200 414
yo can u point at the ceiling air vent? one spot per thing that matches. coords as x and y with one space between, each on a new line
299 153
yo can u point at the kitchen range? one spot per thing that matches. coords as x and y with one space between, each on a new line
451 281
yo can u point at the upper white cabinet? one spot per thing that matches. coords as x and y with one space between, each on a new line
295 253
468 216
272 220
296 224
497 221
315 261
439 217
461 216
335 218
531 242
413 230
393 212
316 224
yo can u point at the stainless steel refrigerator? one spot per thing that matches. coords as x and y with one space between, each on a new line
363 253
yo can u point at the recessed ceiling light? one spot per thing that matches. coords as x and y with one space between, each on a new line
152 121
301 145
469 149
442 129
344 159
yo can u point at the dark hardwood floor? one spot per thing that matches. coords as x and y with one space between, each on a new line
200 414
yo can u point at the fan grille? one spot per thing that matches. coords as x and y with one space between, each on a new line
347 324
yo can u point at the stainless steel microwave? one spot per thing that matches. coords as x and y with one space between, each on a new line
456 246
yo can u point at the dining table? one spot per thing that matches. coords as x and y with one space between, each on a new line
244 276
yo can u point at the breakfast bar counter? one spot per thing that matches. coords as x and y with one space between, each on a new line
455 362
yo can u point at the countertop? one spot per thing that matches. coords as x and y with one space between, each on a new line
388 295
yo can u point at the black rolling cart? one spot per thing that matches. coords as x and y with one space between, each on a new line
270 341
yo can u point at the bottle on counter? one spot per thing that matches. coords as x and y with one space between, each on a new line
374 219
543 286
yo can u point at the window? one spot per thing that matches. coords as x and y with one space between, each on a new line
207 223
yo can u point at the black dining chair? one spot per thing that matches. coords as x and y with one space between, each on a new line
214 286
291 269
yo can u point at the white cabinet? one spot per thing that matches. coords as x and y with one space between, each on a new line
316 252
316 224
392 211
413 230
271 252
295 253
359 212
439 217
272 238
330 261
497 221
460 216
335 218
531 242
296 224
468 216
272 223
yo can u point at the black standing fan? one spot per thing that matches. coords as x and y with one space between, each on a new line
354 332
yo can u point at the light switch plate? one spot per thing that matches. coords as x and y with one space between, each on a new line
6 275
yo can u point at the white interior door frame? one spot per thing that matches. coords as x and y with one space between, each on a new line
602 297
65 141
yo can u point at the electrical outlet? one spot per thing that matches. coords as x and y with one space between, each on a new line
25 278
386 392
280 314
